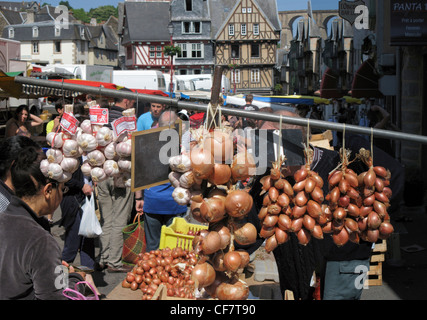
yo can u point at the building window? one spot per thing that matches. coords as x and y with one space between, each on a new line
231 29
129 52
11 33
35 32
235 76
243 29
189 27
256 29
255 50
188 5
57 31
196 50
82 33
191 50
243 10
235 51
35 46
255 75
57 46
249 10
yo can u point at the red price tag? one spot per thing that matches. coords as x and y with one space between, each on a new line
98 115
124 124
69 123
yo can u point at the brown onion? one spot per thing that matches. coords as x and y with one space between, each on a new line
372 235
236 290
340 238
304 236
301 174
204 273
243 166
218 261
220 277
202 162
287 188
238 203
364 211
232 261
266 232
317 232
271 243
284 222
335 177
224 233
308 222
310 184
339 213
195 211
244 255
299 186
213 209
283 200
374 220
386 229
298 212
314 209
270 220
301 198
353 210
352 179
220 174
274 208
369 178
296 225
317 178
262 213
246 234
317 195
351 225
220 144
211 243
273 194
281 236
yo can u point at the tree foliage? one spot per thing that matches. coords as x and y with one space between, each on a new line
101 13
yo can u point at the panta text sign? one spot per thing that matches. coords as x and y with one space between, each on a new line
408 21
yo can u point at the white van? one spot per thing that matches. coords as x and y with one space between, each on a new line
140 79
203 82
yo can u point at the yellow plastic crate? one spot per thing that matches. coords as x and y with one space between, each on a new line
176 235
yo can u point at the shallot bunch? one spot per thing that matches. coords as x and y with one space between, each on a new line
171 268
374 185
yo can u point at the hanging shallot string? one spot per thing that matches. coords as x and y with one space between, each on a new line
372 145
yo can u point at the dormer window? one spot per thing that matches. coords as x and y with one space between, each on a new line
82 33
57 31
35 32
11 33
188 5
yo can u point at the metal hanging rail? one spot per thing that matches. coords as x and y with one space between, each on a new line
179 104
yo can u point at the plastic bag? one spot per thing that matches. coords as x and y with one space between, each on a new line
89 225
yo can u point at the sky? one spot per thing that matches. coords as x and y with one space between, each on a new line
282 4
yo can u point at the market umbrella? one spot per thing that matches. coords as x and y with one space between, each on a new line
8 84
366 81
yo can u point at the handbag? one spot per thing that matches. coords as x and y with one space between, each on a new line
74 294
89 224
133 241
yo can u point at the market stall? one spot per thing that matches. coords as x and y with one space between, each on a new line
208 266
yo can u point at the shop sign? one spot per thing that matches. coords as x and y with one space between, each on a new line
98 115
408 22
69 123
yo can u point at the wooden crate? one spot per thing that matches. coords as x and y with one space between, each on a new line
375 273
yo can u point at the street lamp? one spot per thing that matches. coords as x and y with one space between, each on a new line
170 29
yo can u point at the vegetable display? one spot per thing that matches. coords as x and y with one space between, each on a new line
106 154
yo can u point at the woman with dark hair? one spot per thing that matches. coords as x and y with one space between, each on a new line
21 123
30 257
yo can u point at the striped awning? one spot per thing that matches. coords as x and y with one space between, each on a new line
44 91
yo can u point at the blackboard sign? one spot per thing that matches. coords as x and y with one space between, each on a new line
151 150
265 144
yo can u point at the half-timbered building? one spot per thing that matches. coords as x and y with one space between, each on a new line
246 42
145 34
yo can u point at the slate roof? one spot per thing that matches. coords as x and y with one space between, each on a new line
146 21
12 17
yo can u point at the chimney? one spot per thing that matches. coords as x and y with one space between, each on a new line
30 17
93 22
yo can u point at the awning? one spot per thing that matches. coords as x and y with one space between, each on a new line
8 85
366 81
294 99
329 86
